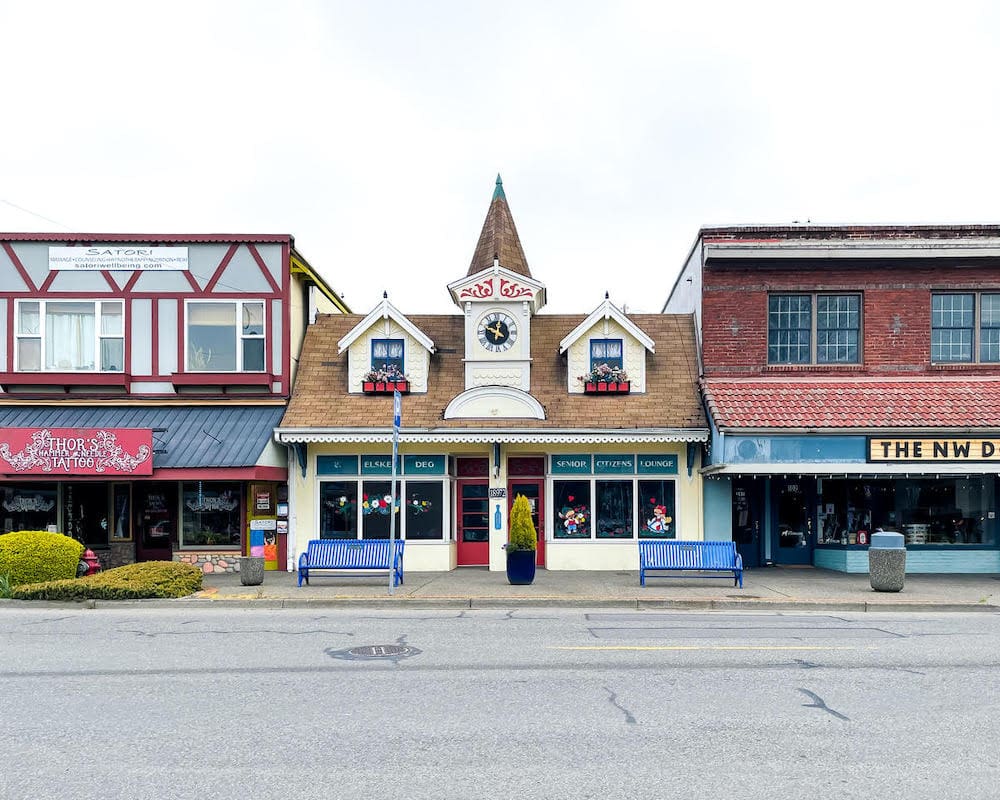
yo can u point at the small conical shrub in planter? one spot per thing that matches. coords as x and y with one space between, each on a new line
521 543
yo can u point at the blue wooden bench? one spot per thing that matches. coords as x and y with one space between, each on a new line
675 555
352 554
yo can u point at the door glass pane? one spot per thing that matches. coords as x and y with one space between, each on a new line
792 530
475 518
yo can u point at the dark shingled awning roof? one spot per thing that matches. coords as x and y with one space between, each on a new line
190 436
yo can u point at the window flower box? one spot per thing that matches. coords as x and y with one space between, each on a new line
606 379
385 387
606 387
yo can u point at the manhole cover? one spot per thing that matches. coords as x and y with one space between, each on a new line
392 652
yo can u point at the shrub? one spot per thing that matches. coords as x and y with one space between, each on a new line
6 587
522 529
132 582
32 556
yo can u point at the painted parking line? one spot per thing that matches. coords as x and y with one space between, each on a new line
709 647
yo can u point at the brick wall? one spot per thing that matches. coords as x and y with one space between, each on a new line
896 316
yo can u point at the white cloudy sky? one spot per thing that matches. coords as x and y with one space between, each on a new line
373 131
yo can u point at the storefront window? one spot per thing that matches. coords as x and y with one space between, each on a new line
376 501
656 510
424 510
338 510
121 511
211 515
85 512
28 506
927 511
572 509
614 509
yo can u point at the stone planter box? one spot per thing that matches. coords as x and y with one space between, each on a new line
607 387
385 387
251 570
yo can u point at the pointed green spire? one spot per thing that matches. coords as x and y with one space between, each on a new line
498 192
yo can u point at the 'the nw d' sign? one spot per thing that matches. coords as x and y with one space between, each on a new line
933 449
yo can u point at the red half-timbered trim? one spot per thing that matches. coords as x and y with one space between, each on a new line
127 293
221 268
154 323
263 267
285 387
221 378
64 379
19 267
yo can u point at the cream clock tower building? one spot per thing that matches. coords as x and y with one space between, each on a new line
498 298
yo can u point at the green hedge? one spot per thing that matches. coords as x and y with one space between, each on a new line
33 556
132 582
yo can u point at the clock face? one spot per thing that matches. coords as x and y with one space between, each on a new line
497 332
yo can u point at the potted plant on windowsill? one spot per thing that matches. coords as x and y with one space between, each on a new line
521 543
385 380
606 379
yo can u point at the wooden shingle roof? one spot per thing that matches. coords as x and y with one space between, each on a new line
499 239
321 400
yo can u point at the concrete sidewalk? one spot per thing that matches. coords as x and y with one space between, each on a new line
771 588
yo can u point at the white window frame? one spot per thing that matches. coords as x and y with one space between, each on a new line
240 336
40 336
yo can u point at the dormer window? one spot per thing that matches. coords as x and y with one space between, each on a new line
387 355
225 336
606 351
70 335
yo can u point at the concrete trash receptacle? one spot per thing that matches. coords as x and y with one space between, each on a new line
251 570
887 561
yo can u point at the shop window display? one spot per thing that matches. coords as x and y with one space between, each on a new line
210 514
572 509
614 509
656 510
28 506
338 510
938 511
424 508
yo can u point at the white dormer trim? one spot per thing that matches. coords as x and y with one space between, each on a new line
385 310
607 310
494 402
500 284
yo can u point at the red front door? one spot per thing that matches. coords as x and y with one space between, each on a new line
473 522
534 490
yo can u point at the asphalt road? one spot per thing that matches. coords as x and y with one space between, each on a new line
164 703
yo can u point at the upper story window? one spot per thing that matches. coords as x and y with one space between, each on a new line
387 355
795 335
955 333
225 336
606 351
69 335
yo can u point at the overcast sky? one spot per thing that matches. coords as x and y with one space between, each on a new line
373 131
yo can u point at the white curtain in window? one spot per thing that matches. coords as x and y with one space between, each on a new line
69 336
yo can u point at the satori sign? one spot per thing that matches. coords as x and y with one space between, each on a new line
76 451
109 257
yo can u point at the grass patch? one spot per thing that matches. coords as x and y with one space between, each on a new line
150 579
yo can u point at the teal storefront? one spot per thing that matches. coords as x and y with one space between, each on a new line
817 499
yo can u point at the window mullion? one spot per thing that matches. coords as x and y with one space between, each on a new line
814 325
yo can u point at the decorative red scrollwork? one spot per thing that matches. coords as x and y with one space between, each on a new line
513 289
480 291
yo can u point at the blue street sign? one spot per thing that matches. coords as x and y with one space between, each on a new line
397 409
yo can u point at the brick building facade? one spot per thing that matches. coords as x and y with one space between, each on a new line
852 380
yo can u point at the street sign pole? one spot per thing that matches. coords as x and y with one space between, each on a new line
397 418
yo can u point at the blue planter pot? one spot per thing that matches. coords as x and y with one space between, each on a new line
520 567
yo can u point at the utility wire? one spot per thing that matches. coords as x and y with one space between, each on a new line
28 211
